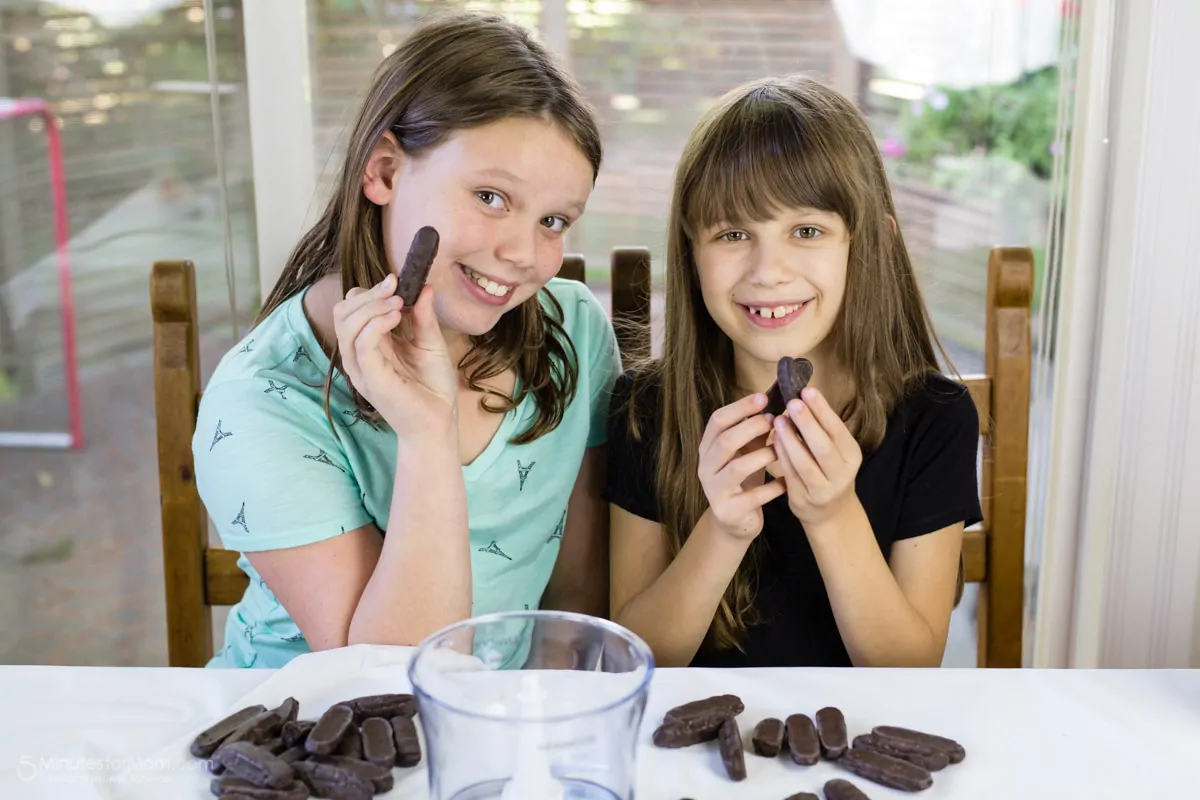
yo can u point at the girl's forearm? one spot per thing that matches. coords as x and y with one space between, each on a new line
878 625
674 613
423 579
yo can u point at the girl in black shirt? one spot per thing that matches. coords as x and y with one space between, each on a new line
832 534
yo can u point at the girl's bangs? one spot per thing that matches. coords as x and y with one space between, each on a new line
760 157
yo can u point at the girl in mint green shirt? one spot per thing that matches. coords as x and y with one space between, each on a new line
386 471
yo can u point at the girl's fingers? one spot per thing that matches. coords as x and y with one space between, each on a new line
757 497
726 417
760 441
797 461
350 346
814 436
727 445
358 297
426 332
350 327
735 472
367 345
843 440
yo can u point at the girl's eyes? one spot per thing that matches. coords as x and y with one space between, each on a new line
803 232
490 198
496 200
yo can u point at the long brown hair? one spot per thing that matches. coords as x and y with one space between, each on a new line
455 71
780 143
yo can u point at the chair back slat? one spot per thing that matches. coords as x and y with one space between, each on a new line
176 402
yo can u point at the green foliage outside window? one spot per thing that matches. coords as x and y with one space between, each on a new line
1015 121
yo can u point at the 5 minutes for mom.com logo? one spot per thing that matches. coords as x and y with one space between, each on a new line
61 769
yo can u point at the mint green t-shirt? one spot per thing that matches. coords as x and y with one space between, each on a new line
272 475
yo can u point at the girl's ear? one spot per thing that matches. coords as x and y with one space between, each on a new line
379 178
891 224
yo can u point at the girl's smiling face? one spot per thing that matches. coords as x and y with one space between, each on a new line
774 287
501 197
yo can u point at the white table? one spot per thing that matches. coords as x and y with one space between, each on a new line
104 733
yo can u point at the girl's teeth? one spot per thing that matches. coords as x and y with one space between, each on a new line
778 312
489 286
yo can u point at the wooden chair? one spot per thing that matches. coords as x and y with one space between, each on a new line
188 573
199 577
994 552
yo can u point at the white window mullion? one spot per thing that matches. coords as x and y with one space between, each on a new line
279 85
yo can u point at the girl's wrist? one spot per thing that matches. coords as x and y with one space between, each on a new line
848 513
436 441
720 540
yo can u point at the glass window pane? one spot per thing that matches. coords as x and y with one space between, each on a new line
128 86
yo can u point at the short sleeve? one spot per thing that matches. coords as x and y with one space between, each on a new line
601 359
269 471
941 482
630 481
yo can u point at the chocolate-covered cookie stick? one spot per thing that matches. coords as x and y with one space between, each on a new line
415 271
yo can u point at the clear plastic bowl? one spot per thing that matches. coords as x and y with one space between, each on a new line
535 705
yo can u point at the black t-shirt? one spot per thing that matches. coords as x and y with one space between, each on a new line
922 478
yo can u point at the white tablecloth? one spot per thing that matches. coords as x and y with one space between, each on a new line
106 733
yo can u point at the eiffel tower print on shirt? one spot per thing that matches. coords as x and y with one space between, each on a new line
218 436
273 387
324 458
240 519
523 472
495 550
558 529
